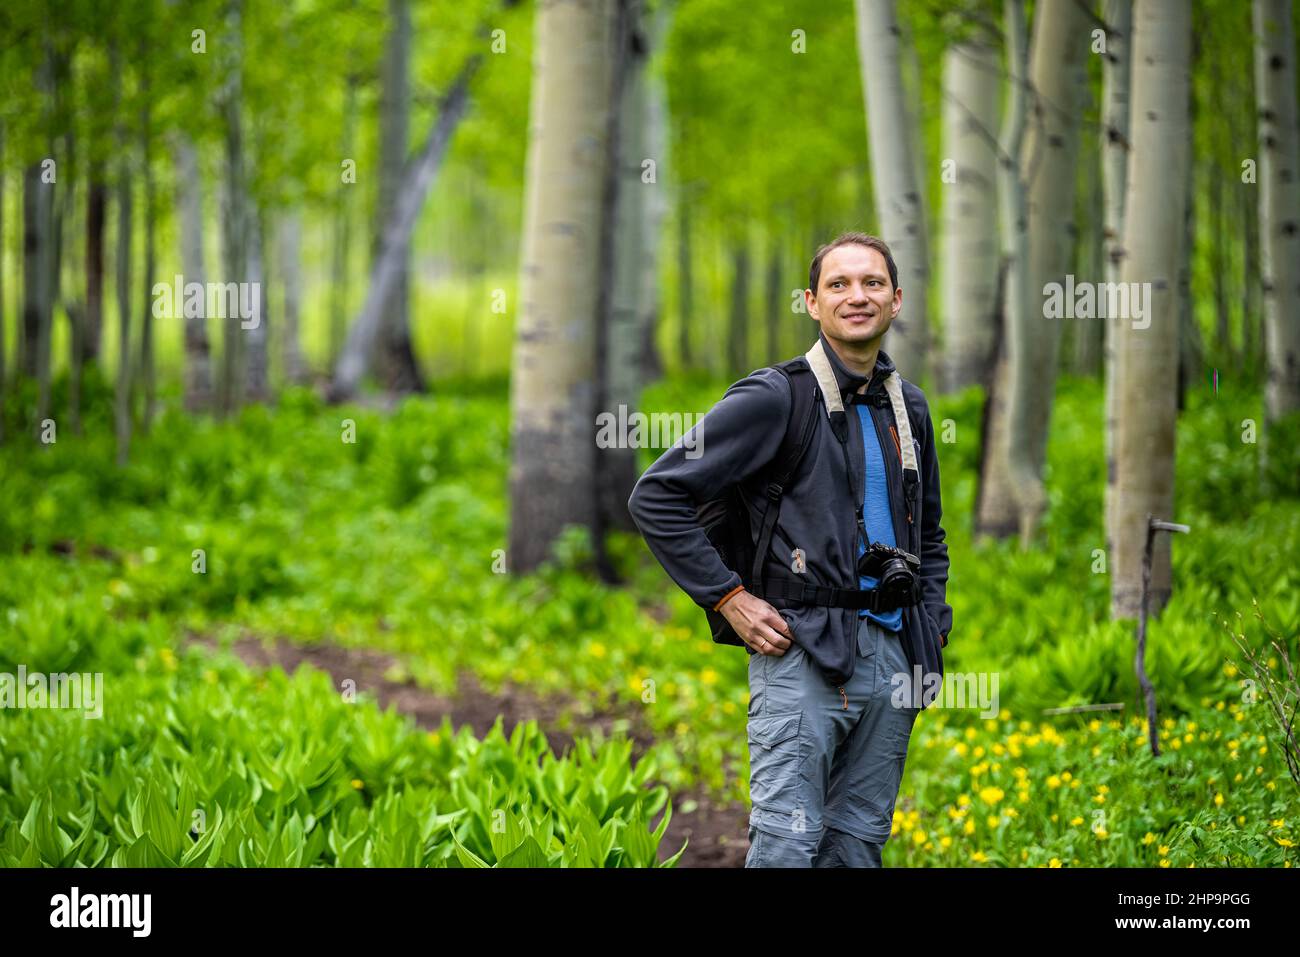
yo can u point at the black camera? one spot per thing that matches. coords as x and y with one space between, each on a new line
896 572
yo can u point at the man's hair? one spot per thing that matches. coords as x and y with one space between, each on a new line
851 239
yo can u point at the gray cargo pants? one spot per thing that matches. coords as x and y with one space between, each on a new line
825 763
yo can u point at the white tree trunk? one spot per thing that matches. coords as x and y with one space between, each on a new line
1061 39
1115 71
1154 235
970 228
899 209
553 383
1279 201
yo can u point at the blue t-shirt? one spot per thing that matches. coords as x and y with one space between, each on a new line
875 512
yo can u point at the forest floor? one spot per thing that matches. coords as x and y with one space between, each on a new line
716 832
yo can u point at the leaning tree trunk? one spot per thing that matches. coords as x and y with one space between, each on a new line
394 361
996 510
189 199
1153 240
553 384
1279 202
1049 163
1115 70
970 227
384 272
891 133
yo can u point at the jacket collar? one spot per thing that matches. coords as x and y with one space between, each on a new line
850 381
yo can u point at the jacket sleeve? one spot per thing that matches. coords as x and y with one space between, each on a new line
734 440
934 550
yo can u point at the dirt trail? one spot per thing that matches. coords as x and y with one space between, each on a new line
717 832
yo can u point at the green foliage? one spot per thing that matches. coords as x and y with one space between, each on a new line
197 762
393 543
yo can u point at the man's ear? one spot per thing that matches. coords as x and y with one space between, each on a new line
810 302
898 303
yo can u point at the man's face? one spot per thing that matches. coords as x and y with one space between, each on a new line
855 300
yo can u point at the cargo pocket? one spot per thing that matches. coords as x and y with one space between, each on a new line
776 765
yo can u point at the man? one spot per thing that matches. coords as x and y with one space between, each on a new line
831 684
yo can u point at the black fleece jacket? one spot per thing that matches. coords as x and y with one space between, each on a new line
732 444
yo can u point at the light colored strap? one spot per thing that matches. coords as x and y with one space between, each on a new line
894 386
821 367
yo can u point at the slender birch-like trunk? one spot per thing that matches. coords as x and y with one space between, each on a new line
891 135
1154 234
554 379
1116 69
1279 202
1061 39
970 226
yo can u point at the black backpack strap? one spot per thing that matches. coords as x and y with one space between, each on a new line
787 588
804 396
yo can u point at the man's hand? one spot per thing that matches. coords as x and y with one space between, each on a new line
758 624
